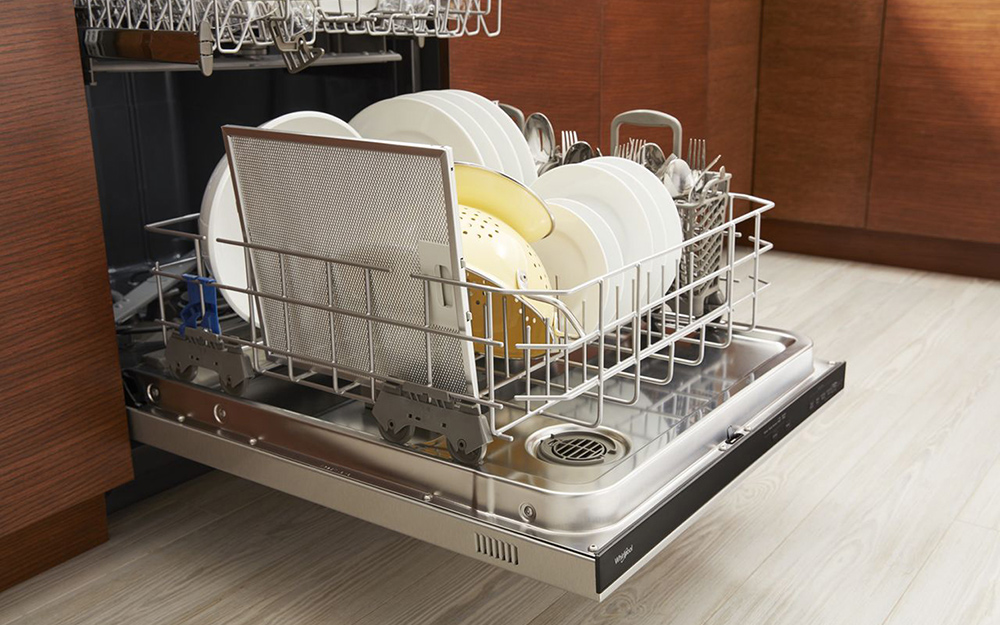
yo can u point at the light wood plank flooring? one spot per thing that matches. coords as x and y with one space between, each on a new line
884 508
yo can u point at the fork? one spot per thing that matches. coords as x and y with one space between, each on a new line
697 154
631 151
569 137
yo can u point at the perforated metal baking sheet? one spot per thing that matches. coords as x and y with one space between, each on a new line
380 204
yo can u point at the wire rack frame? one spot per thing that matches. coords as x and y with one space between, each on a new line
566 363
240 24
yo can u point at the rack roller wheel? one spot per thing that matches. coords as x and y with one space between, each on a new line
468 457
236 388
185 374
397 436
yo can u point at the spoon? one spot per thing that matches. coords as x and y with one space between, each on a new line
680 175
541 138
514 113
652 157
701 180
577 153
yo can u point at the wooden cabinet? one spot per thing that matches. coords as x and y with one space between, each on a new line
816 113
647 61
878 130
937 139
582 63
733 52
63 432
547 58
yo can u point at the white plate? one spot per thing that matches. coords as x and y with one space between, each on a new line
609 245
409 120
574 254
491 159
661 212
491 125
615 202
673 230
219 218
652 281
528 170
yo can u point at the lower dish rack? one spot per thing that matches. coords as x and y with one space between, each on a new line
579 449
536 355
580 508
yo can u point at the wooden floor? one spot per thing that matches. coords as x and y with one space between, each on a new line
884 508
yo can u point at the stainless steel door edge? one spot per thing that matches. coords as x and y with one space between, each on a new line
418 514
339 490
563 510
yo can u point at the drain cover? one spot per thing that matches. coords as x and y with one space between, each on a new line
575 448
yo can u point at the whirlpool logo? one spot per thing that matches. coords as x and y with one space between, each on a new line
621 556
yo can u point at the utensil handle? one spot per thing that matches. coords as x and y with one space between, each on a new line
648 118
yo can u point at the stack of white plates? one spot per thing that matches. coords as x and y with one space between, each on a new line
608 214
475 128
631 218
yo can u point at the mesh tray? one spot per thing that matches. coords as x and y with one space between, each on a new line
385 205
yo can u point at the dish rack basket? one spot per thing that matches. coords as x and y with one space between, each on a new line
192 30
236 24
701 212
705 208
570 365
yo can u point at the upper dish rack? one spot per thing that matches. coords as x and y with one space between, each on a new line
192 30
239 23
571 368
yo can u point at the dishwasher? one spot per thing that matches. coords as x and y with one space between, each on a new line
375 375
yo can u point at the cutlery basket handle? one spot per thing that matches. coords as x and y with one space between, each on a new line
650 119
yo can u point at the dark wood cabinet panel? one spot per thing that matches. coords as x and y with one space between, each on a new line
733 55
888 147
815 116
51 541
583 63
937 139
884 248
547 58
63 433
654 55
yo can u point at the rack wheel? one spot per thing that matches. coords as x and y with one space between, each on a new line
713 301
185 374
400 436
468 457
235 389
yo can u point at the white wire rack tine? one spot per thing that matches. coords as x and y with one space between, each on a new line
427 335
333 327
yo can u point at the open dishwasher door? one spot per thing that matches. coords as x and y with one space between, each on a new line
565 450
597 443
579 508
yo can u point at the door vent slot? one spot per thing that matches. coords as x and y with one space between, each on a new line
496 548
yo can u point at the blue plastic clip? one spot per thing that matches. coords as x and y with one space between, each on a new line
190 315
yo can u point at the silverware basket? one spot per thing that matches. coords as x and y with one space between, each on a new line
702 212
704 209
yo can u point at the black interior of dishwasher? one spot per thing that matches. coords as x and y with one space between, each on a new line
157 138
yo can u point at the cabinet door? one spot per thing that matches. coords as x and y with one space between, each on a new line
654 55
818 81
547 58
733 55
63 431
937 139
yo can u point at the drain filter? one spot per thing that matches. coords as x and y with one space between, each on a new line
579 447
